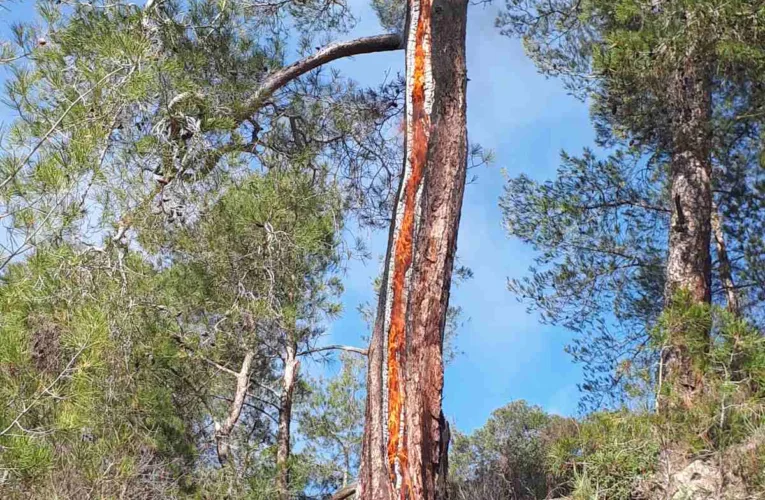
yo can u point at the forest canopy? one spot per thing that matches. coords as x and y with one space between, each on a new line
188 189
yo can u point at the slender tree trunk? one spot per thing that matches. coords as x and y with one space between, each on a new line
406 436
688 261
223 431
346 465
289 379
726 274
733 306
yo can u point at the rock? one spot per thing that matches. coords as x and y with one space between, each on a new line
701 479
698 481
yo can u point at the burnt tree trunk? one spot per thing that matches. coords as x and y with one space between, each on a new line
406 436
688 261
289 380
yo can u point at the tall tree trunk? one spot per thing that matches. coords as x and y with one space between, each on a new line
688 261
289 379
406 435
223 431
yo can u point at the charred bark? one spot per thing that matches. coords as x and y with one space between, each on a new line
406 435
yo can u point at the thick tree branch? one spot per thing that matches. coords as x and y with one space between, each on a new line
280 78
339 50
346 493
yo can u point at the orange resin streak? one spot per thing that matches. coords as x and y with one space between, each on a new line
404 252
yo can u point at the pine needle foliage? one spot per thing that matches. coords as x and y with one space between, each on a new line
90 399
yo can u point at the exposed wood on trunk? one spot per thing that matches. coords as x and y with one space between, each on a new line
406 435
223 431
289 379
688 261
428 434
724 268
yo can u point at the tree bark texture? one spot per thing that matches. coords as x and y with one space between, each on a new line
406 435
289 379
688 261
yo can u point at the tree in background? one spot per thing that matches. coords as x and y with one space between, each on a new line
332 421
714 447
507 458
160 103
259 265
600 228
129 132
671 86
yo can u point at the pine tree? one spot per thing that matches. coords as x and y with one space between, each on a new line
149 111
95 396
658 74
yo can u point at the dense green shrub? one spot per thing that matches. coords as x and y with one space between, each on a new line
522 452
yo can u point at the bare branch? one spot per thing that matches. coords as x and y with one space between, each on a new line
207 360
15 58
269 389
346 348
46 390
726 276
219 366
184 96
332 52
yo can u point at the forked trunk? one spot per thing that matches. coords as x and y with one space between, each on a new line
406 436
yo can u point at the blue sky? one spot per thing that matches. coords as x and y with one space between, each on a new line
525 119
